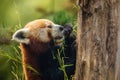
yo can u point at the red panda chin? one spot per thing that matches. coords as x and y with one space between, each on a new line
59 41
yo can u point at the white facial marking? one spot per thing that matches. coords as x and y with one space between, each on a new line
44 35
56 31
21 36
57 34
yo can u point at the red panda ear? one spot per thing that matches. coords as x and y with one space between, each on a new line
21 36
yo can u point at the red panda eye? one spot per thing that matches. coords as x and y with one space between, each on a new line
49 26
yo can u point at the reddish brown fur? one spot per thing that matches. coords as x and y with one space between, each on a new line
38 24
35 27
36 41
29 58
31 52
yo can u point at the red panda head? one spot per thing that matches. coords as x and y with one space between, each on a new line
39 31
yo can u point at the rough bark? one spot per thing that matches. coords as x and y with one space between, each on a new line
97 36
117 71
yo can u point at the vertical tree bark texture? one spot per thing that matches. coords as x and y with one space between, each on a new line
97 37
117 72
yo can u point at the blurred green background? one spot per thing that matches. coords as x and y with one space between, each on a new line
14 14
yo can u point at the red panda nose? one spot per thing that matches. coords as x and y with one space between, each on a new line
61 28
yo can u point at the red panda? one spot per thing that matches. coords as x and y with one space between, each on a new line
36 41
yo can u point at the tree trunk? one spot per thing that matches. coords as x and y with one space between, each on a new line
97 37
117 71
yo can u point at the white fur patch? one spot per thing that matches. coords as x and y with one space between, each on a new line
56 31
44 35
57 35
21 36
